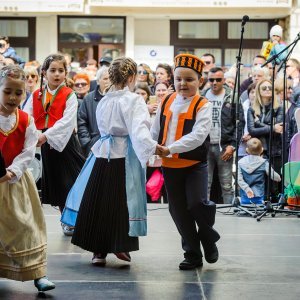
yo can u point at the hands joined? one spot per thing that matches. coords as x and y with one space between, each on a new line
162 150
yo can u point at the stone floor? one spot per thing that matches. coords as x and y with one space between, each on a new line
258 260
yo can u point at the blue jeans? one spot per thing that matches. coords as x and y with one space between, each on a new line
224 172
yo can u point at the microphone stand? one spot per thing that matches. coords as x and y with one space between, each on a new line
282 200
236 201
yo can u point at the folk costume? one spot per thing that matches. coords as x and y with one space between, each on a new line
23 239
55 114
112 207
183 125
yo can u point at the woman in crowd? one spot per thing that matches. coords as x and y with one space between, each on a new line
161 89
145 74
88 132
259 124
81 86
31 82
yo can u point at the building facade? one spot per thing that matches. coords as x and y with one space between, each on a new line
150 30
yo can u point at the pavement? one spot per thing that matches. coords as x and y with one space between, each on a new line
258 260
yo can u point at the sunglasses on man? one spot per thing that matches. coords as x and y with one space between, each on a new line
215 79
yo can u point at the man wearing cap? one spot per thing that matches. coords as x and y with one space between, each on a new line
181 127
105 61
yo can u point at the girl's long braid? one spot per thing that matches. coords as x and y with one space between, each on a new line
41 87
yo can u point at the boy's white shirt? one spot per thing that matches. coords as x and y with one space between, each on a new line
122 113
23 160
189 141
59 135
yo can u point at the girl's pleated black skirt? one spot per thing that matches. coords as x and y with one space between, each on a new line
2 166
60 170
102 224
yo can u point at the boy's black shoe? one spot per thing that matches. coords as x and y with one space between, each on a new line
211 253
187 264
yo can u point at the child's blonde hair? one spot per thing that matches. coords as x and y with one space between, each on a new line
120 70
12 71
254 146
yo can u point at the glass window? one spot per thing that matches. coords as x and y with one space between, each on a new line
23 52
217 53
247 57
257 30
91 30
14 28
198 30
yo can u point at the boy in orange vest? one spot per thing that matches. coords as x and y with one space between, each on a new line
181 127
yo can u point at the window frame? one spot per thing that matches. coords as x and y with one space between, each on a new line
222 43
24 42
61 45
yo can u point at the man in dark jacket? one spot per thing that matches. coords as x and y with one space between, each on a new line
222 134
88 132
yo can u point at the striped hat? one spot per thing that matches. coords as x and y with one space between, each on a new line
190 61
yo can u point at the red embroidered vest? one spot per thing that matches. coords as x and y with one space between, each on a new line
46 115
12 142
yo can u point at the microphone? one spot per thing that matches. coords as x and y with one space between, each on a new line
245 20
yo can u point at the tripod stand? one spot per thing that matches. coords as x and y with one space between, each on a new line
278 207
235 103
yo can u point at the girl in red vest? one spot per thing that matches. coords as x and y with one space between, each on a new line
23 240
54 108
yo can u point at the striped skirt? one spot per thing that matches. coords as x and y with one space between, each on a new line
102 224
60 170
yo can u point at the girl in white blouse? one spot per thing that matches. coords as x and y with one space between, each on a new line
113 210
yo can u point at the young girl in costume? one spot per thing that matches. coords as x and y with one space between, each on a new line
54 109
112 213
181 127
23 240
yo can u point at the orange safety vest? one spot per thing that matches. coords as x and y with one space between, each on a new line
51 108
12 142
185 125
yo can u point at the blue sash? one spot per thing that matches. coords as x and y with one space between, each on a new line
135 191
75 195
